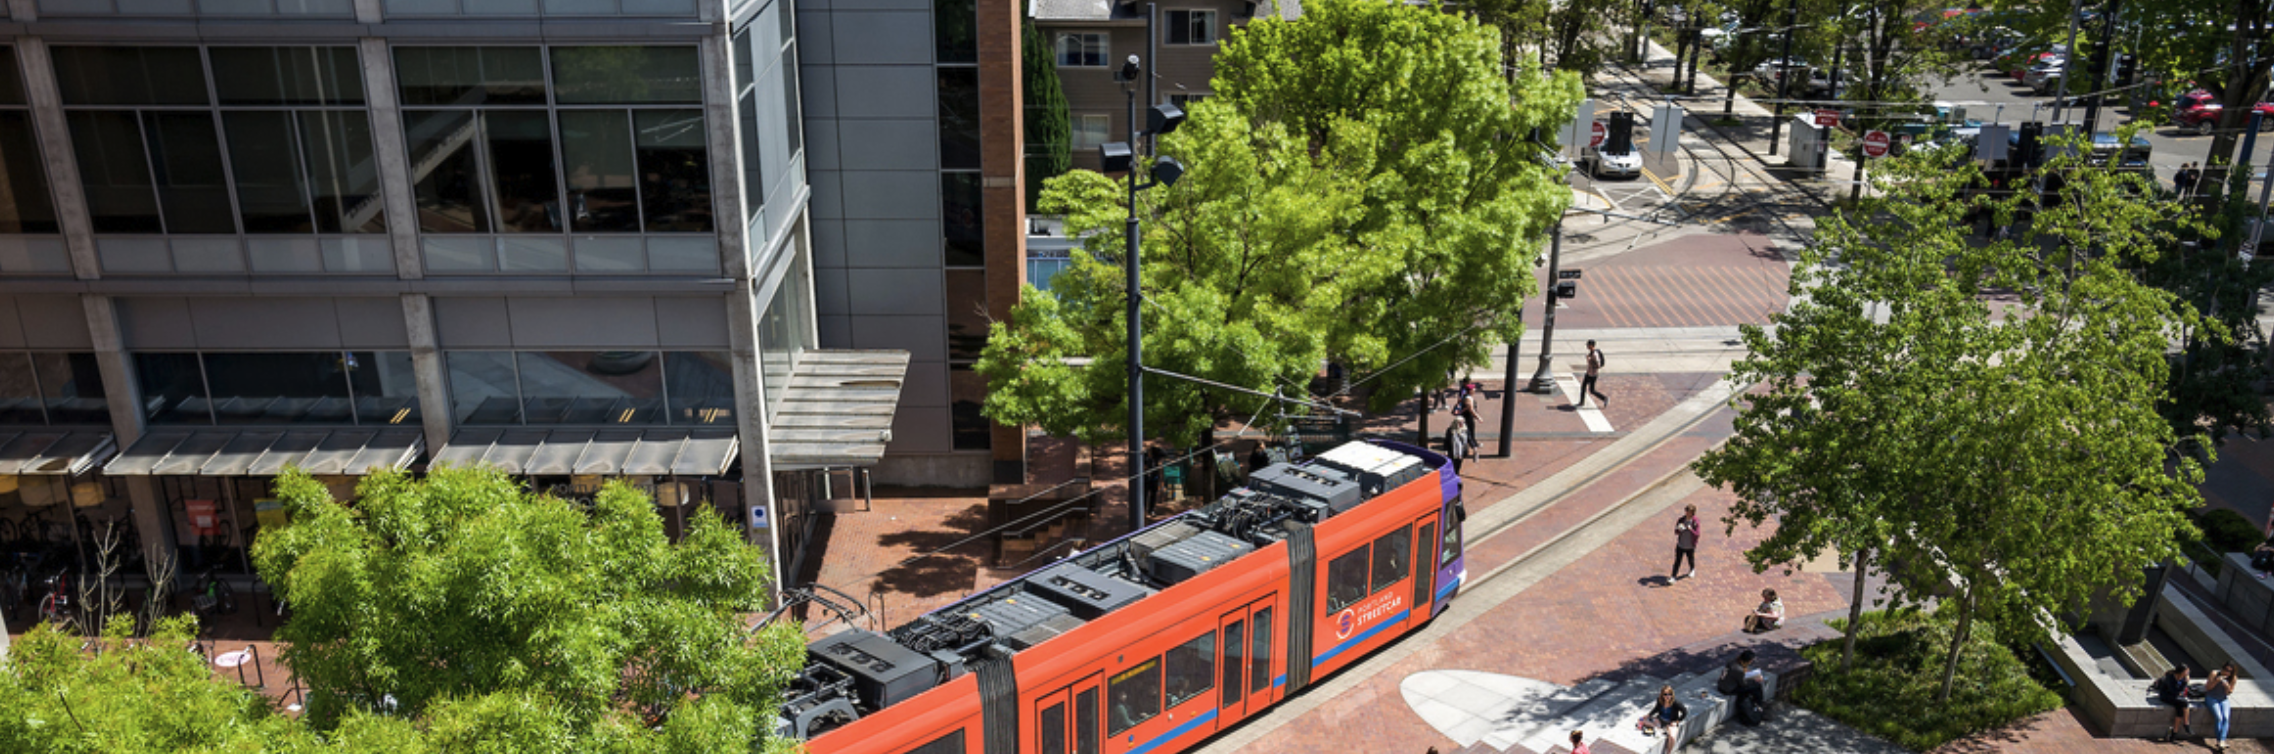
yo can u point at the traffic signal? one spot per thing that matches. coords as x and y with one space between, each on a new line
1619 138
2127 69
2030 132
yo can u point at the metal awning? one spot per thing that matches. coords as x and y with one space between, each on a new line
268 452
601 452
837 410
44 453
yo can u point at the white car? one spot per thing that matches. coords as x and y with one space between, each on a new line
1615 165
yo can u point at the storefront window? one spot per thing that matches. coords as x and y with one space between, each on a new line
72 387
591 387
701 387
19 392
483 388
386 389
173 388
269 388
279 388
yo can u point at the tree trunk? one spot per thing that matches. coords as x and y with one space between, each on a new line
1957 641
1729 95
1855 611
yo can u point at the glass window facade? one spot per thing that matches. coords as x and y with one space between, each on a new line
559 140
281 146
1191 27
959 117
46 388
591 388
278 388
25 204
783 333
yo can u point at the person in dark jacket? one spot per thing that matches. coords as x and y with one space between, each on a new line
1740 680
2171 691
1665 719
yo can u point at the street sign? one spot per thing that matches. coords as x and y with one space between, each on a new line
1828 118
1598 134
1567 274
1875 144
1666 129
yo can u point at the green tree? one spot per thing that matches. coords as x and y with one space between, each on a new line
2006 457
130 697
2213 387
1363 187
463 587
1049 134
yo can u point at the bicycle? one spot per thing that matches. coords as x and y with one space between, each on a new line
211 595
55 606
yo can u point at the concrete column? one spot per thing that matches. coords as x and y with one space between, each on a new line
391 152
54 136
1002 165
123 396
725 147
368 12
427 367
21 11
750 423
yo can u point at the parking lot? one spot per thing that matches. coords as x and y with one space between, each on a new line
1983 92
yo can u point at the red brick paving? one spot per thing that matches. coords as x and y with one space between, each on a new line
1702 279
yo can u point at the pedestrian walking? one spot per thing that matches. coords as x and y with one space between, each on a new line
1579 746
1155 459
1457 445
1467 409
1686 531
2215 691
1587 385
2183 182
1257 459
1665 718
2171 691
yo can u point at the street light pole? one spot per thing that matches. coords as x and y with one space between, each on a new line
1138 482
1784 76
1543 381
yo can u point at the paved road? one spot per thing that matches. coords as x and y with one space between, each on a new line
2172 147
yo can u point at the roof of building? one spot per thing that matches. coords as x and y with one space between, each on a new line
1111 10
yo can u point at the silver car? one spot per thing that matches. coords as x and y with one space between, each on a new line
1614 164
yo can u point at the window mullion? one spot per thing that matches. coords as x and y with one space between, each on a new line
39 393
205 388
150 166
347 358
307 173
639 186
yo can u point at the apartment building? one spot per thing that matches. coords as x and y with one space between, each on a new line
1091 39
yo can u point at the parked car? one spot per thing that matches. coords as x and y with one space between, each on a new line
2199 111
1992 42
2107 151
2044 77
1808 80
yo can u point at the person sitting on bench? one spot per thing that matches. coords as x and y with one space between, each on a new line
1741 681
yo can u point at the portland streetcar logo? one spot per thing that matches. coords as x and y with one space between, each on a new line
1345 623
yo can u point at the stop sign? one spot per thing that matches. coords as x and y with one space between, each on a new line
1827 118
1875 144
1597 134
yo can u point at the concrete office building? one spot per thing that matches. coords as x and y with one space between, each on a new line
912 118
570 238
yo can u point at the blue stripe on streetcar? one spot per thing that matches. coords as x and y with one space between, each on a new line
1447 591
1279 680
1187 727
1353 641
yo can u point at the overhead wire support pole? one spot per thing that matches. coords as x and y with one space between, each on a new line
1784 77
1136 310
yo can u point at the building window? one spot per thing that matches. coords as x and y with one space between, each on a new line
282 145
591 388
967 395
1192 27
25 205
784 332
370 388
1082 50
955 29
959 117
963 220
1185 101
631 155
51 389
1090 130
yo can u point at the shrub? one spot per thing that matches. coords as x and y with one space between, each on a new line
2227 531
1890 691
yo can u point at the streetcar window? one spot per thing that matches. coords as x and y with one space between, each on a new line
1054 729
1452 546
1346 580
951 743
1392 555
1259 658
1235 640
1192 668
1086 721
1132 697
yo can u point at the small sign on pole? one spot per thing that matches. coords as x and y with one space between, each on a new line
1571 274
1828 118
1875 144
1666 129
1597 134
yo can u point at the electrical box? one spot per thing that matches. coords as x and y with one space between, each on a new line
1320 483
884 673
1088 594
1806 149
1204 551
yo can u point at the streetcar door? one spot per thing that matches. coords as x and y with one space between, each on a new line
1054 723
1263 673
1084 718
1231 689
1425 568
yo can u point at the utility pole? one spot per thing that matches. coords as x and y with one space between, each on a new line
2076 7
1136 322
1784 76
2102 59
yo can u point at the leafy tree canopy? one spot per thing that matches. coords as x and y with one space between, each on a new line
1364 186
1981 413
462 586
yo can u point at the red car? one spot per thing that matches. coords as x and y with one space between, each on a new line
2199 111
